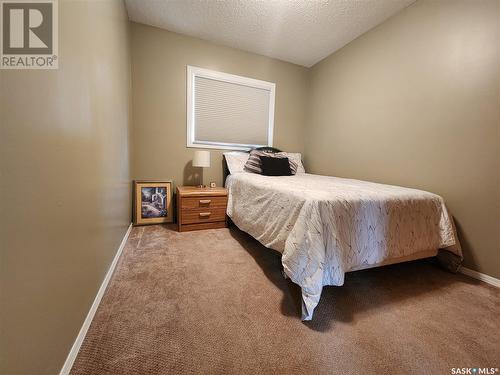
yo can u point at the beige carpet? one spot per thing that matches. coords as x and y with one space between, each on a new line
214 302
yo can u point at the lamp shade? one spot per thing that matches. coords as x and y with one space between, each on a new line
201 159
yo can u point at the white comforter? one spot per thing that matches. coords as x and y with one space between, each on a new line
327 226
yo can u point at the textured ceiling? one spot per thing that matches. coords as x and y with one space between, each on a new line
299 31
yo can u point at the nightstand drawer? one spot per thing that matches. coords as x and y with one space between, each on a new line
201 215
203 202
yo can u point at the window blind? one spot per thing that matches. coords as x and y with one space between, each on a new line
229 111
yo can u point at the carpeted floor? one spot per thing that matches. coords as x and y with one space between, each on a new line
214 302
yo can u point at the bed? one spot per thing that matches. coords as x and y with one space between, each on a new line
327 226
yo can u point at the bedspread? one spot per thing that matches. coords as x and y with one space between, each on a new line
326 226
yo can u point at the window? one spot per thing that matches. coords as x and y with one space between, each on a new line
228 111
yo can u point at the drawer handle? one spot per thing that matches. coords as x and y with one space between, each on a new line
205 214
205 201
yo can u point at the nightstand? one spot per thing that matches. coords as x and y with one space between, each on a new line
201 208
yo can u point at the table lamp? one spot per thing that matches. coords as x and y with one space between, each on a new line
201 159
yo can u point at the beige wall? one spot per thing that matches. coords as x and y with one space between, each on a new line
159 60
65 185
415 102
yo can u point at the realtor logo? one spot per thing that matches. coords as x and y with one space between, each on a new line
29 34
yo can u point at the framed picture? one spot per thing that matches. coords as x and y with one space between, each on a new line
152 202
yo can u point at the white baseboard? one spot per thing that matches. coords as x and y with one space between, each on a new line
480 276
68 364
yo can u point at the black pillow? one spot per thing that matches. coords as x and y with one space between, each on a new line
275 166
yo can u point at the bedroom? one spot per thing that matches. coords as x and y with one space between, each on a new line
401 94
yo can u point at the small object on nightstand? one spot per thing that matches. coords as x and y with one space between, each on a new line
201 208
212 185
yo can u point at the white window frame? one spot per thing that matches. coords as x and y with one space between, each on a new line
192 73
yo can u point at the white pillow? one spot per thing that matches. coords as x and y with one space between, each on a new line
236 161
297 158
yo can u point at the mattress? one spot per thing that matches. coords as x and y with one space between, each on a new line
327 226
